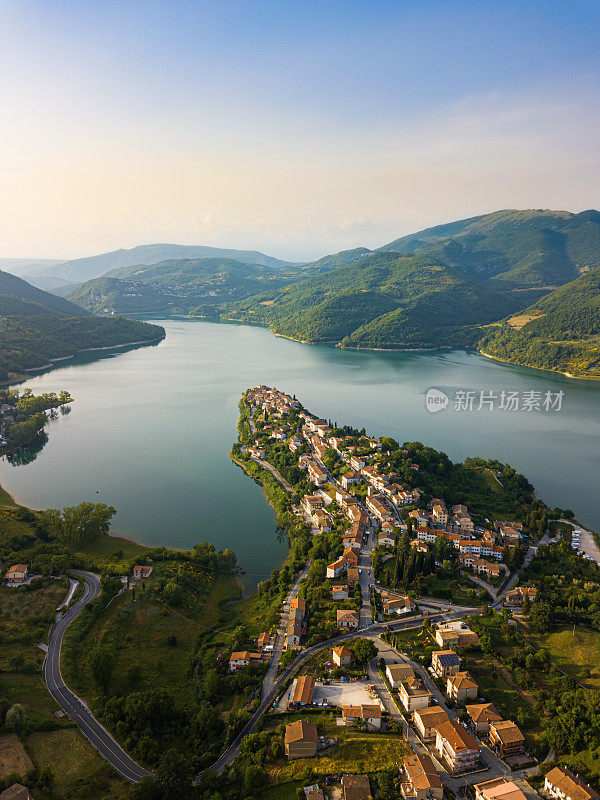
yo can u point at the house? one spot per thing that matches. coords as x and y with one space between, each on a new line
499 789
396 604
562 784
456 747
386 537
446 637
317 474
310 502
351 557
350 478
16 792
241 659
367 714
482 714
413 694
516 596
420 779
445 662
352 576
301 739
356 787
357 463
293 633
313 792
339 592
506 738
466 637
299 603
303 691
461 687
337 567
17 573
426 721
440 514
342 655
265 640
347 620
396 673
141 572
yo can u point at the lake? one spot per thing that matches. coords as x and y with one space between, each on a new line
150 429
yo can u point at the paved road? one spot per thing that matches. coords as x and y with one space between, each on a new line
269 679
274 473
529 556
73 705
414 622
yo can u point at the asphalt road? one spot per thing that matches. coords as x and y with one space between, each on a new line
414 622
97 735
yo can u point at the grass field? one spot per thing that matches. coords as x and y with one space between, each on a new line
72 759
358 753
13 758
576 654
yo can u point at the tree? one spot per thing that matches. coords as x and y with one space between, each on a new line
102 664
78 525
364 650
254 779
15 717
174 775
526 607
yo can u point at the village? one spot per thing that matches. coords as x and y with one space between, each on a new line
459 741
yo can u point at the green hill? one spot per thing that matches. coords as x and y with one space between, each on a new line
185 285
514 249
561 332
36 328
12 286
382 300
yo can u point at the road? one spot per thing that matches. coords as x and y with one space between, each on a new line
414 622
269 679
274 473
73 706
529 556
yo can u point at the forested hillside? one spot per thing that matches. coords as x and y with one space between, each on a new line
513 248
198 285
37 327
563 333
383 300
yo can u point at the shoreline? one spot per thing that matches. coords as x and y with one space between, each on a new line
31 372
542 369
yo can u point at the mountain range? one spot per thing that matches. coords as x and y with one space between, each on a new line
52 273
440 287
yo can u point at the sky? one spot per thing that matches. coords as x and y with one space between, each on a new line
295 128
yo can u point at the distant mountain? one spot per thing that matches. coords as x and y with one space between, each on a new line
515 249
560 332
37 327
83 269
381 301
185 285
24 266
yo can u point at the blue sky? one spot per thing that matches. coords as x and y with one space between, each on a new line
296 128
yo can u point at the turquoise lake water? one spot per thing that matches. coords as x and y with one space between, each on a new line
151 428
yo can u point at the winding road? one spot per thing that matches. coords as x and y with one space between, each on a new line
72 705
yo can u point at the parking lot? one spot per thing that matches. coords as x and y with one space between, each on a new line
335 693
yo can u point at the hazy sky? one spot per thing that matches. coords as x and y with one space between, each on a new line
297 128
